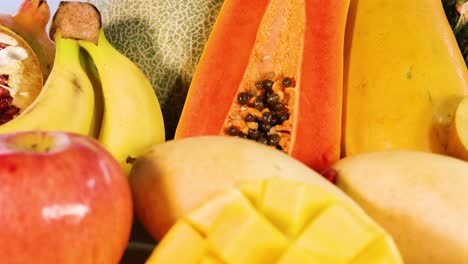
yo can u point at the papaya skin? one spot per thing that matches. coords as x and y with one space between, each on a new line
247 15
403 77
30 22
316 115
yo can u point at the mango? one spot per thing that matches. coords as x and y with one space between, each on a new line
309 225
177 176
418 197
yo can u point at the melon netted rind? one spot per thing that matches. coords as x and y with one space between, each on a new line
165 38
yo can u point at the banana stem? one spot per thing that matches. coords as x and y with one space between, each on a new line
93 50
69 51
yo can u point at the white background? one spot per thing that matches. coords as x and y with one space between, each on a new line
10 6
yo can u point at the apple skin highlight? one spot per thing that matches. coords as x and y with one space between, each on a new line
69 202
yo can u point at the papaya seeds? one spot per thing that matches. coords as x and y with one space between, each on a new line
262 113
279 83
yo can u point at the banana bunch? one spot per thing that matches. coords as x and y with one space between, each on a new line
94 90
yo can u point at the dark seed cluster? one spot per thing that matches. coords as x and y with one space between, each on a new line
274 111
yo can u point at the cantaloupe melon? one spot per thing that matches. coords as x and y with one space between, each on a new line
165 38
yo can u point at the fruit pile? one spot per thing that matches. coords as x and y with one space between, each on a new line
235 132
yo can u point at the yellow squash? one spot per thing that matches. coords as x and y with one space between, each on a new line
404 76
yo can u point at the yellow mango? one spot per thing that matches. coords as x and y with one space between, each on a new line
291 214
295 255
380 251
336 228
202 218
193 249
418 197
310 225
404 76
240 235
175 177
210 259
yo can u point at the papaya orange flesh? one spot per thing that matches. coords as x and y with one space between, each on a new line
307 225
271 71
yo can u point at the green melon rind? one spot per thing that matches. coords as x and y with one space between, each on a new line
165 38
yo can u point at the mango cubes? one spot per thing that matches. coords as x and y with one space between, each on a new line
275 221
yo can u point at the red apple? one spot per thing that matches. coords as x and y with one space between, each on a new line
63 199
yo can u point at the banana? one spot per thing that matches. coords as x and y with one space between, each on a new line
132 120
418 197
66 102
90 69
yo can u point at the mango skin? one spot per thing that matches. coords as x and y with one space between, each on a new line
283 222
174 177
418 197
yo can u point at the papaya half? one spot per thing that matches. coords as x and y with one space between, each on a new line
272 71
404 77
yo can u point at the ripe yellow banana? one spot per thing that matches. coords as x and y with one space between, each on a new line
88 66
132 120
66 102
